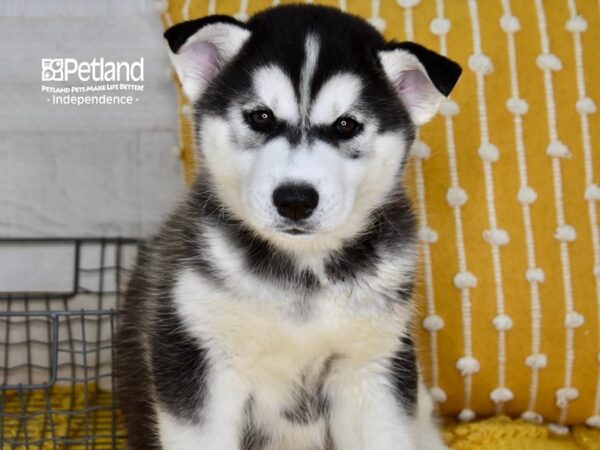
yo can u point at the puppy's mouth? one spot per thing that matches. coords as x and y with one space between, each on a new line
296 231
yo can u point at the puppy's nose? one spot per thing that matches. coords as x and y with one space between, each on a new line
295 201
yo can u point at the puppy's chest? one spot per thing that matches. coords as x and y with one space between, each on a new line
278 337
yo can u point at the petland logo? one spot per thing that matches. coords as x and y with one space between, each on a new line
99 77
64 69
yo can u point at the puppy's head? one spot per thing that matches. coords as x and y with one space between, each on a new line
305 115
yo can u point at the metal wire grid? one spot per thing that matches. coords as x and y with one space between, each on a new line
57 347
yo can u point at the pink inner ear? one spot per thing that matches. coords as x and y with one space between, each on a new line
204 60
414 88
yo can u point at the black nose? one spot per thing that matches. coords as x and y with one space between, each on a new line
295 201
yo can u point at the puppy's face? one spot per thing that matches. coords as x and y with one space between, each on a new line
299 159
304 117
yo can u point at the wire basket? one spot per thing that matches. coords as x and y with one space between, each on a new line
59 301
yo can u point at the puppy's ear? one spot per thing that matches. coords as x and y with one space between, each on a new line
421 77
201 48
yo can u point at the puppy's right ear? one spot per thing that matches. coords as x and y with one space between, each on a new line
201 48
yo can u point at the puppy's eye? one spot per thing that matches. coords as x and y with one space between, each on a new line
260 119
346 127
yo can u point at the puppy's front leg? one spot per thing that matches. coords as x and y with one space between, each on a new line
366 413
219 423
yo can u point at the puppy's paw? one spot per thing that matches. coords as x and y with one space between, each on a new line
432 441
433 446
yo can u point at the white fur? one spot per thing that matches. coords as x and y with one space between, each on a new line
219 428
276 92
258 345
366 415
311 51
253 335
336 98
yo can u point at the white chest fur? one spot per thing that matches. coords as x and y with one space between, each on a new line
274 353
274 341
270 341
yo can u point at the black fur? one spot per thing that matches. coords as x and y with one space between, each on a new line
252 438
311 401
260 257
279 34
178 34
133 374
405 375
180 383
310 407
393 227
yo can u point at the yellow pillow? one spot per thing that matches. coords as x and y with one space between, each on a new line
504 182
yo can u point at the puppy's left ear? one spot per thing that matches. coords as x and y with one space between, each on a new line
201 48
421 77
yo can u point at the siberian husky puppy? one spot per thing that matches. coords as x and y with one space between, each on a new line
273 309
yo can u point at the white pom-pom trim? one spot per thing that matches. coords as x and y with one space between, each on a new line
501 395
564 395
186 110
560 430
378 23
510 24
557 149
161 6
428 235
535 275
438 394
408 3
592 192
565 233
593 421
466 415
532 416
573 319
537 361
433 323
496 237
467 365
597 274
464 280
585 105
489 152
439 26
576 24
421 150
502 322
456 196
526 195
548 61
517 106
449 108
481 63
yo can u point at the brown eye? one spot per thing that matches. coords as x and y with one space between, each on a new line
346 127
260 119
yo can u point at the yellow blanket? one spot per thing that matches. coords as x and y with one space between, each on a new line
93 416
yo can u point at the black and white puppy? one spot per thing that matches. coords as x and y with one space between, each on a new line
273 309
